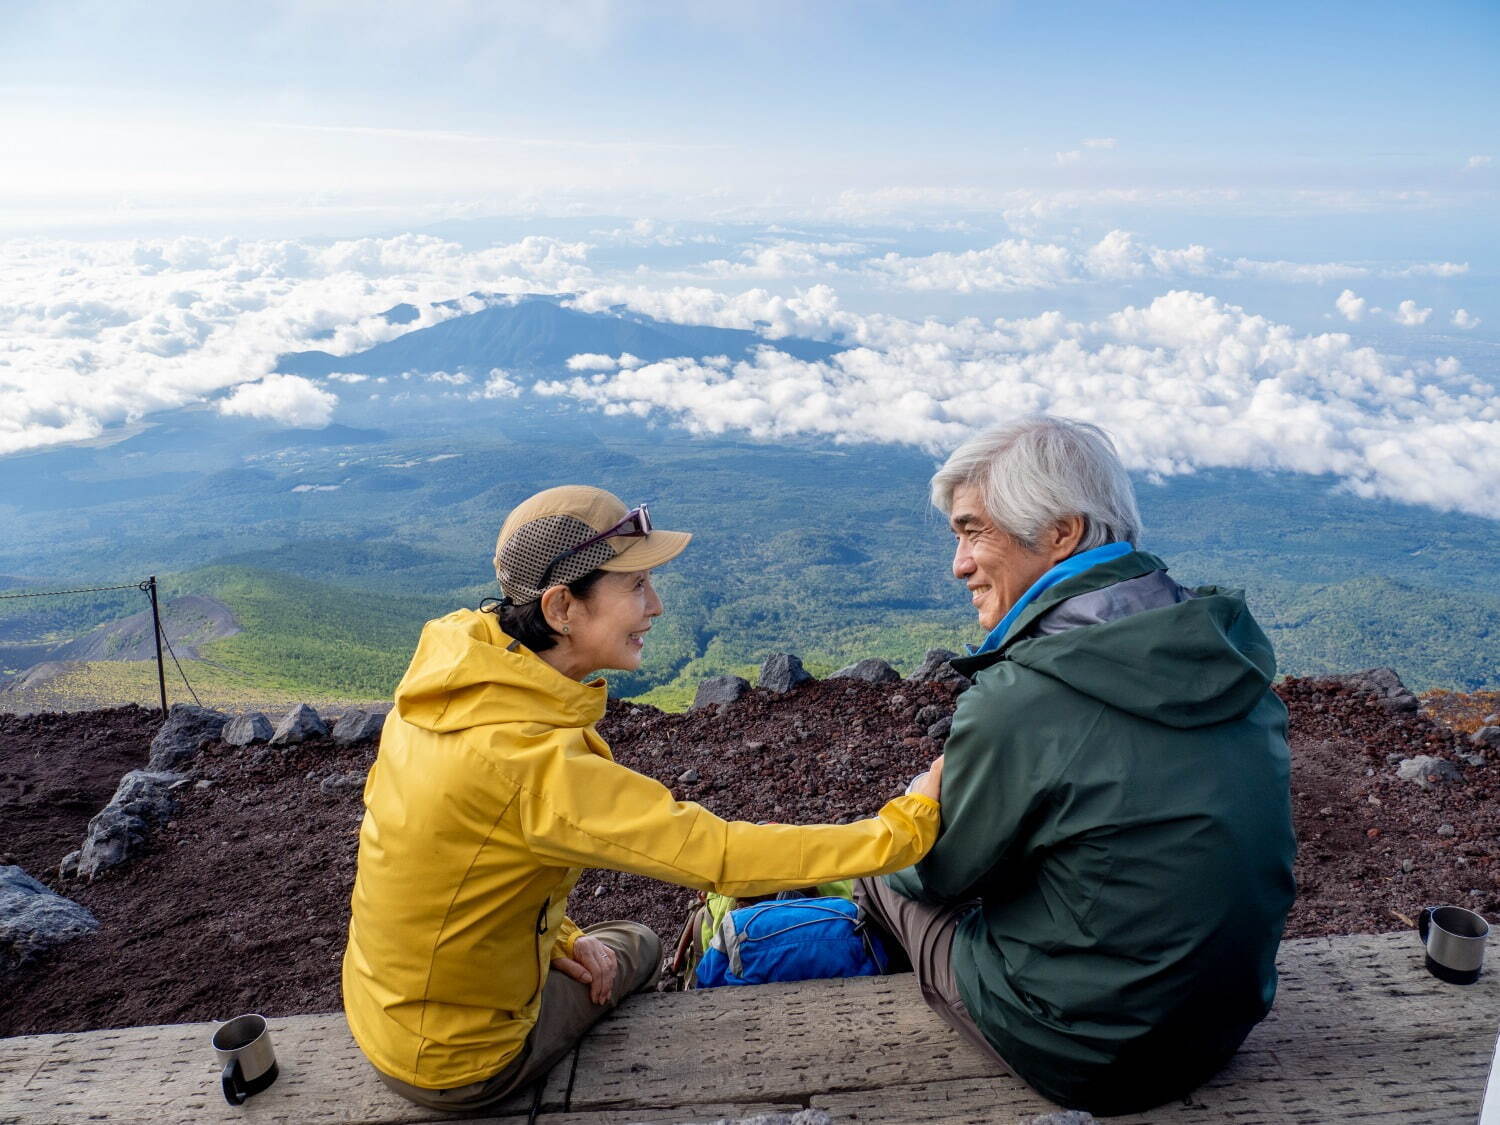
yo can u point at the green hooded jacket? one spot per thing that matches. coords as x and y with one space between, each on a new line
1116 798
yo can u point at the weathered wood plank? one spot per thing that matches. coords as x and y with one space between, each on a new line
1355 1018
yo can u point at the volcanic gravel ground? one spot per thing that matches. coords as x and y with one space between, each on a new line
242 902
57 771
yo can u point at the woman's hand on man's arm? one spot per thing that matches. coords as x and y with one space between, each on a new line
929 784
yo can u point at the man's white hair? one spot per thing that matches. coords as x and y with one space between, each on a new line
1040 469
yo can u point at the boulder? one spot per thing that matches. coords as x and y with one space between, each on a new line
34 919
119 831
1385 685
782 671
935 666
186 730
939 730
246 729
873 670
1428 771
358 726
300 724
720 689
1486 736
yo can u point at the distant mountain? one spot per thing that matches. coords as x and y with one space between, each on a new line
538 334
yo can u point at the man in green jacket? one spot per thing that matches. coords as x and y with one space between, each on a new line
1103 905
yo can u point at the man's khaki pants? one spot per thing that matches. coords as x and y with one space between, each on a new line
926 934
565 1016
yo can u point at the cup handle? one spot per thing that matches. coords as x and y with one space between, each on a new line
1424 921
234 1083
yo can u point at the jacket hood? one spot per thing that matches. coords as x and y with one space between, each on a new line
467 673
1191 664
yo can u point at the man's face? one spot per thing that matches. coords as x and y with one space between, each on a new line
996 569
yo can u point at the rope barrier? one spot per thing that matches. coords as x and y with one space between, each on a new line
81 590
148 587
180 672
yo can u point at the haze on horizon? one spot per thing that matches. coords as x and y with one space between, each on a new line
1263 238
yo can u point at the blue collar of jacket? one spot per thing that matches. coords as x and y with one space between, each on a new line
1068 568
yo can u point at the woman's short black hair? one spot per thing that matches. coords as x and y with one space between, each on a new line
528 624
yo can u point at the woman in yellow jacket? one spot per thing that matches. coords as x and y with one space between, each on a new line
463 979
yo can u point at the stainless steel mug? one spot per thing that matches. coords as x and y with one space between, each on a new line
1454 939
243 1046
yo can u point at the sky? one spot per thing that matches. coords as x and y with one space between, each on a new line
1283 212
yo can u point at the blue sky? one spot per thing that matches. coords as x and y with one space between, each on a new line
1207 226
701 108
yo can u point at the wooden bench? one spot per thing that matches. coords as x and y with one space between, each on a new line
1360 1033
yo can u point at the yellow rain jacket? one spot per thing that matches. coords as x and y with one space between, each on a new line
491 792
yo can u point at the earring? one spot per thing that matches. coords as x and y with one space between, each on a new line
567 629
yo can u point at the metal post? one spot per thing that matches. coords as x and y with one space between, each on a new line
161 669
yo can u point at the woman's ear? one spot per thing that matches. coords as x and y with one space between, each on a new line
557 606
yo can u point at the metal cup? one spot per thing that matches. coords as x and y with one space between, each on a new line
1454 939
243 1046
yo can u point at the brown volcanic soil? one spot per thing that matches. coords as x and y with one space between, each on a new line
241 904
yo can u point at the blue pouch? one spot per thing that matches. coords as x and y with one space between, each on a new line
795 939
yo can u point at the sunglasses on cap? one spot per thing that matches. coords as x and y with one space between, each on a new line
635 525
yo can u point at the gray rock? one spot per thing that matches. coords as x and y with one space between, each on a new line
300 724
688 777
720 689
873 670
782 671
1446 830
935 666
243 730
1061 1117
177 742
928 715
358 726
337 783
1492 720
1428 771
121 829
68 868
1385 685
1486 736
34 919
1473 759
939 730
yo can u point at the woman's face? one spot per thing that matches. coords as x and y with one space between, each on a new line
607 629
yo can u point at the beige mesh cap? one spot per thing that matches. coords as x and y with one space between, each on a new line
554 522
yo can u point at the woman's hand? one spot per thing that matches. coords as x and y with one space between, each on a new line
930 783
593 963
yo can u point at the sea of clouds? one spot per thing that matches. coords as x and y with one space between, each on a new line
97 333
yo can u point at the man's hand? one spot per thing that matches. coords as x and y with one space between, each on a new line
593 963
929 783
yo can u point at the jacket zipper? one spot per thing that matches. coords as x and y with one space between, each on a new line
536 941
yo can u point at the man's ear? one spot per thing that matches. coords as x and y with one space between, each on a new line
1061 539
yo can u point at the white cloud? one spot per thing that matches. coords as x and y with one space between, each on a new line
1351 307
1410 315
1072 156
102 332
499 385
1100 142
1119 256
288 399
592 361
1480 162
1462 318
1184 382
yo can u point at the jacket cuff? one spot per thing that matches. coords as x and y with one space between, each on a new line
567 934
